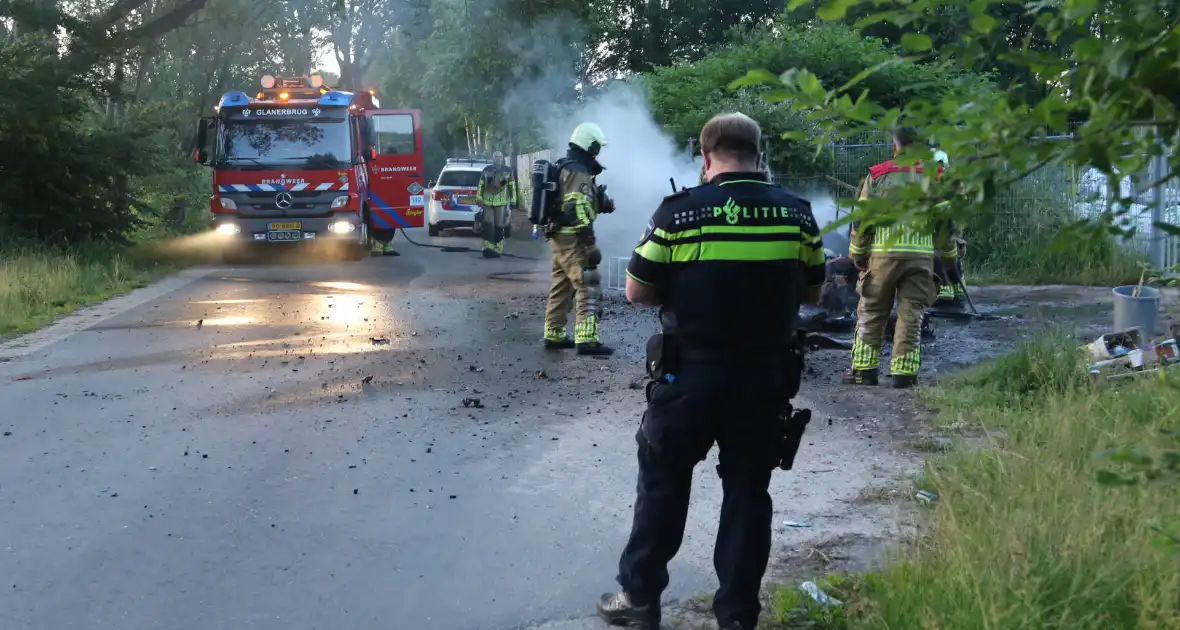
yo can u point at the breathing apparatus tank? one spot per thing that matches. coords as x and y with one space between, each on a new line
544 192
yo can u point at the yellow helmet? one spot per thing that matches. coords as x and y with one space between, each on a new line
589 137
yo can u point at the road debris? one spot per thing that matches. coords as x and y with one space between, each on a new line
366 380
926 496
796 524
816 593
472 402
379 341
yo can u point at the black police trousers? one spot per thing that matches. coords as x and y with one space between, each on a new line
735 403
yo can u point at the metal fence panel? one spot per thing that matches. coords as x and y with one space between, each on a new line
616 274
1025 211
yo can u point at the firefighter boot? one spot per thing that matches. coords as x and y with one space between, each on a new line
595 349
861 377
384 249
556 339
586 336
489 241
618 609
499 242
903 381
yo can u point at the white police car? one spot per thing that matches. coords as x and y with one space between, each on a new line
452 197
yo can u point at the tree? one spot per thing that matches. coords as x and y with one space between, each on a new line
685 96
1118 81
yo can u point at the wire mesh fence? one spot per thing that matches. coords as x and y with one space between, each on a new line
1029 212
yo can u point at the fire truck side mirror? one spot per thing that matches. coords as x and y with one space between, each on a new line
202 150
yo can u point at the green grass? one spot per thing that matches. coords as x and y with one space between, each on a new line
1046 258
39 284
1023 535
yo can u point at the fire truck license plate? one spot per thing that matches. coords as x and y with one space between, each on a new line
293 225
284 235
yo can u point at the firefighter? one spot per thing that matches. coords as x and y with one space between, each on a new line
896 262
576 281
497 192
729 264
950 291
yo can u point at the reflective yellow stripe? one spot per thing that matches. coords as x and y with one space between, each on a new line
746 250
664 247
901 239
654 252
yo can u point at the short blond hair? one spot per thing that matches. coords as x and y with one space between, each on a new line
735 135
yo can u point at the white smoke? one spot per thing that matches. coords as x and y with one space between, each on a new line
639 159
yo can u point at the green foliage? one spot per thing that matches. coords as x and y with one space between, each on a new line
1023 534
69 172
1118 79
685 96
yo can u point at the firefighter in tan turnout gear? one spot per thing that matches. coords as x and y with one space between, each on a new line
576 257
496 194
895 262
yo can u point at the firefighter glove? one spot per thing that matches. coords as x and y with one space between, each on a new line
606 205
861 262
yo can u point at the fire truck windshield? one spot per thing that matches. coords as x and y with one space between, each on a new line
311 144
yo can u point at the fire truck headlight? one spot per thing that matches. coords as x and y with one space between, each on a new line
340 202
227 204
341 227
228 229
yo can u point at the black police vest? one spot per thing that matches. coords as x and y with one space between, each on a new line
742 288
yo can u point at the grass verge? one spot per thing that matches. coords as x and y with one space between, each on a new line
1086 263
39 284
1034 531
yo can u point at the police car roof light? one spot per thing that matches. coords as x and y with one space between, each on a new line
335 98
234 99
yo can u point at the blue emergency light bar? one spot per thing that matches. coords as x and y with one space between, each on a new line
234 99
336 98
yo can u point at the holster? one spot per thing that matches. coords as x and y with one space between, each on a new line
792 423
662 359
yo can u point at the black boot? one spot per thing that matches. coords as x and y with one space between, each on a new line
595 349
860 377
554 344
617 609
904 381
489 245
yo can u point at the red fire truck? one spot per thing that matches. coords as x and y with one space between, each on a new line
301 162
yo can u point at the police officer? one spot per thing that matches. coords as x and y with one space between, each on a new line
729 263
496 193
575 278
895 261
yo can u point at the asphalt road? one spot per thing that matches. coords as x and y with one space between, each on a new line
287 447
